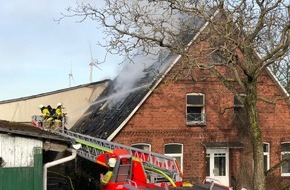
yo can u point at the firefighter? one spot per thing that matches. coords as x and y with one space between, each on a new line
46 116
58 111
58 116
105 179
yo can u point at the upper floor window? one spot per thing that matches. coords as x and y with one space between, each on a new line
176 151
266 150
285 170
195 109
240 116
217 59
142 146
238 106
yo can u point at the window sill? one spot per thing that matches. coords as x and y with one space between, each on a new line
195 123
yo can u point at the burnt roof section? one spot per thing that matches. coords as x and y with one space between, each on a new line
115 104
30 131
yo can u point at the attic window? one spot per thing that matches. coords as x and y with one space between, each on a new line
217 59
195 109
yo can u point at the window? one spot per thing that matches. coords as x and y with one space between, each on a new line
285 170
176 151
220 164
217 59
240 116
238 106
195 111
142 146
266 150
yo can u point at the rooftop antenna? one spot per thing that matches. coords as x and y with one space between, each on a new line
92 64
70 76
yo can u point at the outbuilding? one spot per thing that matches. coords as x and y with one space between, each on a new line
22 150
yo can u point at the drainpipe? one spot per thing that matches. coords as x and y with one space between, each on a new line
57 162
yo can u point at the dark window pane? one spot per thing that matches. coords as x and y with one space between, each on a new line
207 166
239 110
219 165
195 99
266 147
286 167
286 147
172 148
194 109
217 58
194 114
265 163
237 102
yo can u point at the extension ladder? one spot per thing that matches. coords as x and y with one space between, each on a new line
93 147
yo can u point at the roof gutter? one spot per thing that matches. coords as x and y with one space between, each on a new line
158 82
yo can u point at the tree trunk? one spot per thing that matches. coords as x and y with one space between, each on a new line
256 135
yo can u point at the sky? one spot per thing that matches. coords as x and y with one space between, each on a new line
37 54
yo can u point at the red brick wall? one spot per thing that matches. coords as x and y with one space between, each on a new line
161 119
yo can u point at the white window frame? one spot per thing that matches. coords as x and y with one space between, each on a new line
142 144
201 121
267 154
282 153
175 155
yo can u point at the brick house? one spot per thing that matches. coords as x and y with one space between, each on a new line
199 123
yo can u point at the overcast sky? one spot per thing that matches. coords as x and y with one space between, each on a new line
37 53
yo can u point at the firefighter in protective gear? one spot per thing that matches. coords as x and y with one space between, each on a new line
58 111
46 116
58 116
105 179
45 112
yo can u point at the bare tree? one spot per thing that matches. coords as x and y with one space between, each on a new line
281 69
250 35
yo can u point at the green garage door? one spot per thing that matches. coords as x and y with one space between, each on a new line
23 178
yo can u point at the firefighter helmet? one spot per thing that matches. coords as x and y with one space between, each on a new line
41 106
58 104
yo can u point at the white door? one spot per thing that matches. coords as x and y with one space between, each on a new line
217 163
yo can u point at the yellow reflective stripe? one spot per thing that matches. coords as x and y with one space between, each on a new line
94 146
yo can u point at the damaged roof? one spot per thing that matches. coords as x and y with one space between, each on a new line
116 103
120 100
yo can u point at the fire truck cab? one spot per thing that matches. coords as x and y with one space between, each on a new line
131 171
